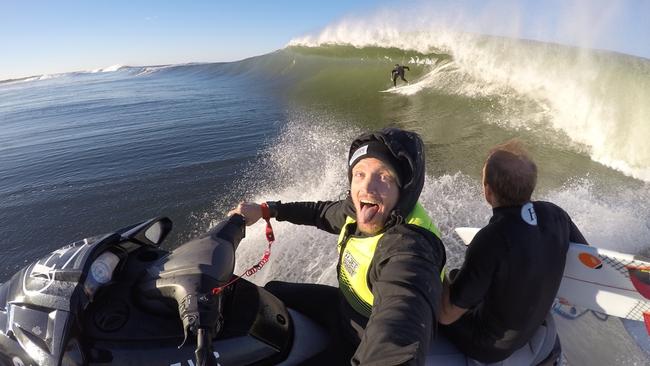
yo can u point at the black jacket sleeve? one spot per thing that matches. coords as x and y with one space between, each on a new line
477 272
405 282
325 215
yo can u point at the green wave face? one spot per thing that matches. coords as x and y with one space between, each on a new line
349 81
584 106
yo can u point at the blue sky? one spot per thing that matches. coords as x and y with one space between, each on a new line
41 37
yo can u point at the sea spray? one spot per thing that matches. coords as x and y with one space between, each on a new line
309 165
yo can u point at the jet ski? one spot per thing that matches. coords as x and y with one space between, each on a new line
120 299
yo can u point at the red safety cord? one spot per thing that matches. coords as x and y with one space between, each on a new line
266 215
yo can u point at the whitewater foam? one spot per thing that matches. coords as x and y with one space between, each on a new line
111 68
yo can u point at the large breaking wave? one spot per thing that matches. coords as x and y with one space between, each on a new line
594 98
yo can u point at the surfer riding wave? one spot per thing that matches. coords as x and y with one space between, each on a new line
398 71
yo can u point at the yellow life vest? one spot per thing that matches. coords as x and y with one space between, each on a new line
357 255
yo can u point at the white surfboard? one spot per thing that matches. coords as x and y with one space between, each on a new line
389 90
401 87
602 280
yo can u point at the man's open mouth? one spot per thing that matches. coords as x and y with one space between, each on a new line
368 210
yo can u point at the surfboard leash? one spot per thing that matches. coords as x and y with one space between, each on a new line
270 238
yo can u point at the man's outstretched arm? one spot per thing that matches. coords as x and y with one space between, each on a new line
325 215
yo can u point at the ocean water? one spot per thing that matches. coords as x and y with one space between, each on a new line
88 152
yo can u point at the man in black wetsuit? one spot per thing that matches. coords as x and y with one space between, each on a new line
398 71
383 311
513 266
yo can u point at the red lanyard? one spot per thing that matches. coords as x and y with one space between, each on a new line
266 215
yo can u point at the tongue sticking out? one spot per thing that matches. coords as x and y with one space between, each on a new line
368 212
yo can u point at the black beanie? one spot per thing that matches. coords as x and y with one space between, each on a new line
377 150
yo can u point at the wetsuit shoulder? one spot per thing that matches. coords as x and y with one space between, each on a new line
555 218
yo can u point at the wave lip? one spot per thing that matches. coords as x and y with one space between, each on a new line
111 68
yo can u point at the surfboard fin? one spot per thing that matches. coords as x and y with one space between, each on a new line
646 320
640 278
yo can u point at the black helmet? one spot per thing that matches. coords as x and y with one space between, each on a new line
406 151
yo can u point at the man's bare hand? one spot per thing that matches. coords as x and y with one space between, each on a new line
251 211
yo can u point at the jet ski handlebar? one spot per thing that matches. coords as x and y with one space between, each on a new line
188 275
